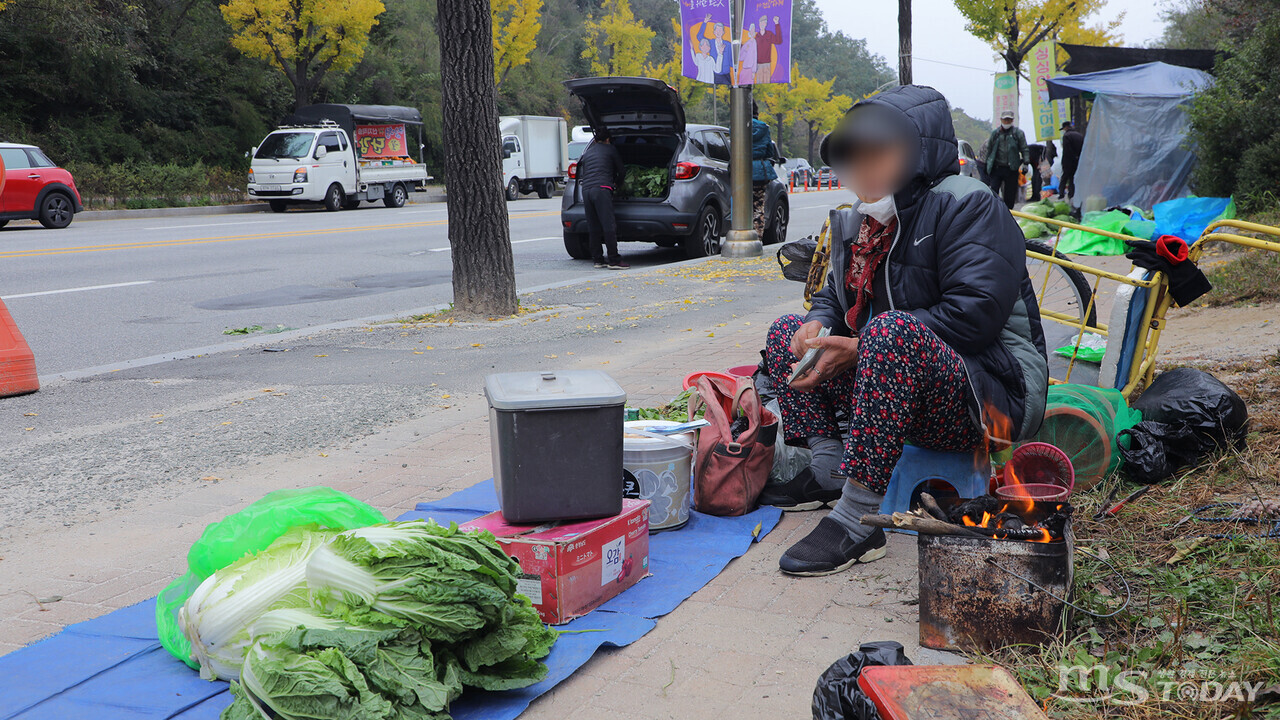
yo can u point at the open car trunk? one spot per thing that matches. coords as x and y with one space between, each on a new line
648 160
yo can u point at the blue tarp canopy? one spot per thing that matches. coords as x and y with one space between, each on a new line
1153 79
1135 149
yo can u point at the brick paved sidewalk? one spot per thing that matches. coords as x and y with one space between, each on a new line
750 644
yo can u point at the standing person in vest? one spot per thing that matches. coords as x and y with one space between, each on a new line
1006 155
935 331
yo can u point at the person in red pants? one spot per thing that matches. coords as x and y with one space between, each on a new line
935 327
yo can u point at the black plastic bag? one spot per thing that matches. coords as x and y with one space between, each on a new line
1186 414
796 257
838 697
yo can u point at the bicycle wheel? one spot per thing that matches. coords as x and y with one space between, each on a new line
1060 290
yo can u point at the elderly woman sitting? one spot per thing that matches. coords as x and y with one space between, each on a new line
934 325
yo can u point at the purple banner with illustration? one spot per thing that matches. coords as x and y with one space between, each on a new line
707 41
765 55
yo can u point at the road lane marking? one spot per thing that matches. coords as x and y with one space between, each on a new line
513 242
77 289
184 227
143 245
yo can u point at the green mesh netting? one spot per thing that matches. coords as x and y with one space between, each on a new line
249 531
1083 422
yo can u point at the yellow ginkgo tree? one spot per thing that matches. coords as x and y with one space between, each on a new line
516 24
617 43
304 39
1014 27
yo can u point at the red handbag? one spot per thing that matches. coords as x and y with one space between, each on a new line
731 470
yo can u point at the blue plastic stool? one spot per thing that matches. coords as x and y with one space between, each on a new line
950 474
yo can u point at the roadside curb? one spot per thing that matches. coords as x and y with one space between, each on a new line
197 211
250 343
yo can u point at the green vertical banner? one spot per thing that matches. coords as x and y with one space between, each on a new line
1043 61
1005 96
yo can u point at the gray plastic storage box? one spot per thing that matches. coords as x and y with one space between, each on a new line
557 444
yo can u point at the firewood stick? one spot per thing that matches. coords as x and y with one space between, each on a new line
930 504
923 525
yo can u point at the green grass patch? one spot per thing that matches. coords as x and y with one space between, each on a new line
1249 277
1200 638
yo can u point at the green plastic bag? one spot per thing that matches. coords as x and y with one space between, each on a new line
1091 349
247 532
1079 242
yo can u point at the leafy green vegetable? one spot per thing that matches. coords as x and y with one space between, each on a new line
217 617
388 621
646 182
677 409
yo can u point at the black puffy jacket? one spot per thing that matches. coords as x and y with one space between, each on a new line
600 166
957 263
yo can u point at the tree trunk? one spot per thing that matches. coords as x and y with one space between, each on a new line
484 278
904 42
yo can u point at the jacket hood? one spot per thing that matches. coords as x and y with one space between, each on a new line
927 116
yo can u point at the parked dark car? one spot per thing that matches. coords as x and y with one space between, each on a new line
968 160
826 177
647 122
36 189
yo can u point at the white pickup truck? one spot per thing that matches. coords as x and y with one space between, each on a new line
317 161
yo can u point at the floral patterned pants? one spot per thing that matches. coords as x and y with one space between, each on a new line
908 385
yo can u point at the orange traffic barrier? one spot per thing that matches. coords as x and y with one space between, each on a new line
17 363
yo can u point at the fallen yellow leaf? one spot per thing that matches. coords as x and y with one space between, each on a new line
477 344
321 356
28 429
30 414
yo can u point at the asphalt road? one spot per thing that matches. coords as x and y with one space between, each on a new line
111 291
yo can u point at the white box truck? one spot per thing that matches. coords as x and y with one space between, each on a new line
535 154
339 155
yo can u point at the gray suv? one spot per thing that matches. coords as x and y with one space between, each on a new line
688 204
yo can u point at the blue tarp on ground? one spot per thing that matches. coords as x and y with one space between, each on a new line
113 668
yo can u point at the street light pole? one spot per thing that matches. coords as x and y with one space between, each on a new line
742 240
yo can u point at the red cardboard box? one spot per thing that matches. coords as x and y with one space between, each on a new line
568 570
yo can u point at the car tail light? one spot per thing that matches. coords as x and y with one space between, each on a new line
300 175
250 176
573 171
686 170
963 162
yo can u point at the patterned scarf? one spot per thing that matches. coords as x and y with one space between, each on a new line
866 254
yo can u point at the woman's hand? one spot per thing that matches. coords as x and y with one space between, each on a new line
840 354
805 333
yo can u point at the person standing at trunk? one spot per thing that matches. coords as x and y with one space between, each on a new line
1072 145
763 154
600 173
935 330
1006 154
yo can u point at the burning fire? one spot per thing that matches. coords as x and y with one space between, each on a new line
1009 518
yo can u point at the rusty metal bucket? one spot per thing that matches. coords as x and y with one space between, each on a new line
972 598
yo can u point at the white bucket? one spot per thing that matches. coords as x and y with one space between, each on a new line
660 470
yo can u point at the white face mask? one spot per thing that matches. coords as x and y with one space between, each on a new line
883 210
